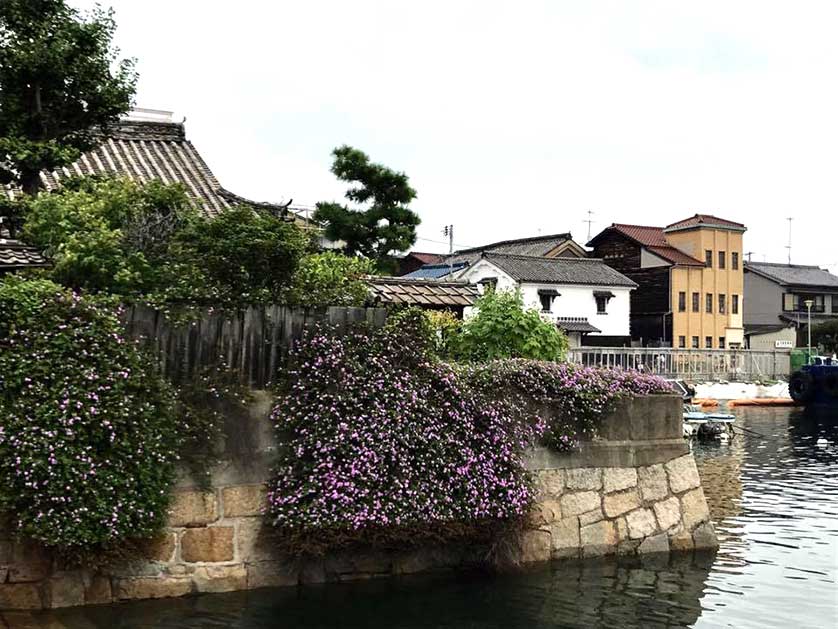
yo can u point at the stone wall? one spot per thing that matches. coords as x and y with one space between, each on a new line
634 490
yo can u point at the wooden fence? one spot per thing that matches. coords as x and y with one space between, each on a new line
254 343
691 364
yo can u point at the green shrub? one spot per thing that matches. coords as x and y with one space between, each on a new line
502 328
825 335
88 435
330 279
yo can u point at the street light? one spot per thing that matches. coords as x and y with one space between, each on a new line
809 303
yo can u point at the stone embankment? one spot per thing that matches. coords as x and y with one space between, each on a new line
633 490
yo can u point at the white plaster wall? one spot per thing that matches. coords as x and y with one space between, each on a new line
574 300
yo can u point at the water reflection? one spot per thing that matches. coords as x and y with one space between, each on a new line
773 495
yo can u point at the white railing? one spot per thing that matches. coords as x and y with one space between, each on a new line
690 364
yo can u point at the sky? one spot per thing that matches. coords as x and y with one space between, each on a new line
514 119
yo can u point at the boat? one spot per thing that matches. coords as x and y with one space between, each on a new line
816 384
699 424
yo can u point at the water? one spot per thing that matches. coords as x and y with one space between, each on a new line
773 495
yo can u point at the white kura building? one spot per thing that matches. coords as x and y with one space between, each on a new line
584 296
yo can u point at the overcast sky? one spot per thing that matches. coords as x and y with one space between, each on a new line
515 118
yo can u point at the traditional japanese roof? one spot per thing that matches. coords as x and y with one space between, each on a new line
797 275
653 239
575 324
766 328
533 246
418 292
15 255
143 150
589 271
705 220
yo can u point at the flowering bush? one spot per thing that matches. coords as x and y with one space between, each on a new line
571 398
380 443
88 438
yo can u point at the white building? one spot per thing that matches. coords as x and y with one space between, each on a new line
584 296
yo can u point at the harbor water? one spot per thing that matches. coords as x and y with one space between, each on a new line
773 495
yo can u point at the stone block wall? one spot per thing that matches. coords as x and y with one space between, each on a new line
635 490
594 511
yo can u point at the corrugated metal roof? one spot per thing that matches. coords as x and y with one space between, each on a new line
142 151
15 255
422 292
589 271
794 274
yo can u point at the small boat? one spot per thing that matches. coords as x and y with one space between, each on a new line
701 425
815 384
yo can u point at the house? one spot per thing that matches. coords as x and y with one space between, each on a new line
776 295
690 280
453 296
583 296
414 260
15 256
147 144
550 246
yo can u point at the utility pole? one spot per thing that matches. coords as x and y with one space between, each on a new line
749 254
448 230
589 221
790 219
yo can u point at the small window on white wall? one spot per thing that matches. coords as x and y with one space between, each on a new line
602 298
546 298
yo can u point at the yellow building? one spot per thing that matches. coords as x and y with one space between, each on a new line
718 286
690 280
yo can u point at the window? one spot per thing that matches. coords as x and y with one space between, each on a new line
602 297
797 303
682 342
682 301
696 302
695 342
708 303
721 342
546 298
722 264
708 258
734 260
722 303
488 284
708 342
734 304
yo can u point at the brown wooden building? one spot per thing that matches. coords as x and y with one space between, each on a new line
689 276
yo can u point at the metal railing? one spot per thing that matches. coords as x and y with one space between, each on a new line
690 364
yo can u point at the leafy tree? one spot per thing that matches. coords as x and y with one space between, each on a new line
826 335
60 78
242 256
502 328
108 235
330 279
386 225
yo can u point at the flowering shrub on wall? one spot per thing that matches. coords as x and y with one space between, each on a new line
88 437
570 399
378 442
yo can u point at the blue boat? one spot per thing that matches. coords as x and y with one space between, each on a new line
817 384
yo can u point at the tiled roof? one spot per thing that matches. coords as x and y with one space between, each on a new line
15 255
418 292
705 220
534 246
588 271
142 151
653 239
575 324
794 274
435 271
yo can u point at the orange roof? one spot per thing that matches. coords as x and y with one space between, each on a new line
654 239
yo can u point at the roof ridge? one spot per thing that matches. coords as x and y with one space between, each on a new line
636 226
565 235
544 258
788 266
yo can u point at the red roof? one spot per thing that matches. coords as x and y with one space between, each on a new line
705 220
654 239
426 258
